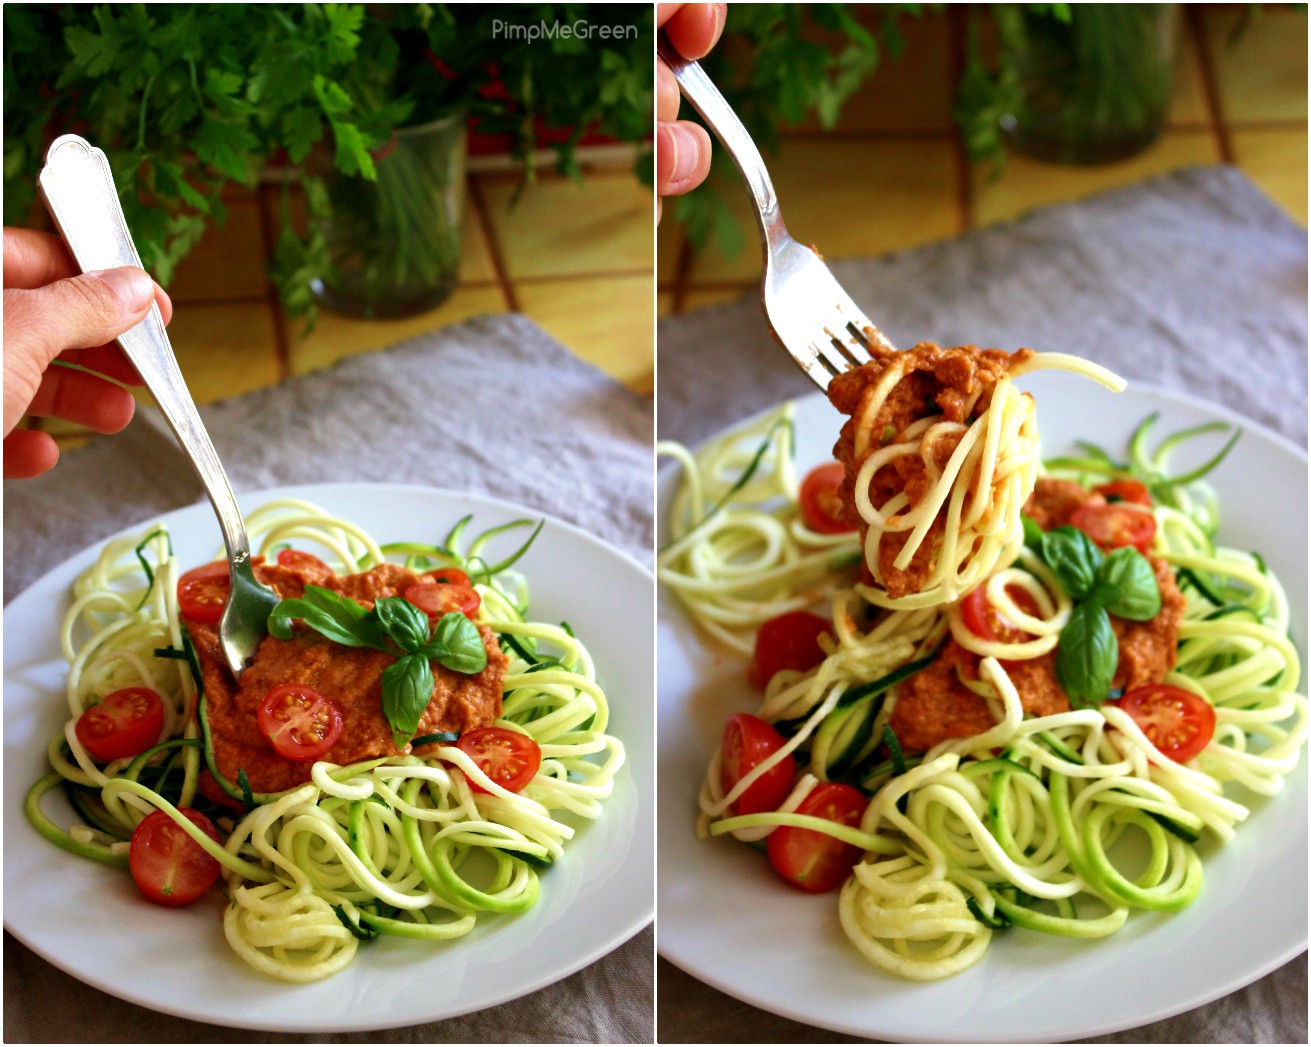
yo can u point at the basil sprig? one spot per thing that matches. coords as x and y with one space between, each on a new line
1122 584
1075 559
398 628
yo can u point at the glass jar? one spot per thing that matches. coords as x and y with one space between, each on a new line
394 243
1094 87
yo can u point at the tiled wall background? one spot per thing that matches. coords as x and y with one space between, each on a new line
892 174
573 255
576 257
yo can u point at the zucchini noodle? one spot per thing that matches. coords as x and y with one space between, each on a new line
740 552
400 846
1060 824
976 496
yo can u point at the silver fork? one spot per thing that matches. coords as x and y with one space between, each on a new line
78 188
816 321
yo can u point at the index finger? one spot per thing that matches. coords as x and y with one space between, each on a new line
664 12
34 259
694 29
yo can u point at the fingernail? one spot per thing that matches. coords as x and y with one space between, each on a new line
684 145
131 286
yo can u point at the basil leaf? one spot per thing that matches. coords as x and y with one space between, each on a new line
1138 596
457 644
1086 656
348 613
337 617
1104 593
280 627
1074 557
406 691
1032 533
403 622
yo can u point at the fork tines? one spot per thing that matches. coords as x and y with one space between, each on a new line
816 321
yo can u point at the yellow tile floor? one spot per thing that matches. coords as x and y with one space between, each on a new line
575 257
892 174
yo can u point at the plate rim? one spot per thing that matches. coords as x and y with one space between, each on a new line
665 481
645 812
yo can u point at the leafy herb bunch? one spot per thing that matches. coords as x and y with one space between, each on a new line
396 627
186 99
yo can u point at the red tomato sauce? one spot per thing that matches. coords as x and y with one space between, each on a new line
939 380
934 705
350 676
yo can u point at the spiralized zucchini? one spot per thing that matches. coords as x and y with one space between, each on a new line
740 552
1060 824
399 846
976 495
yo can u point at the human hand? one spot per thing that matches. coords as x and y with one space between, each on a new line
54 313
682 147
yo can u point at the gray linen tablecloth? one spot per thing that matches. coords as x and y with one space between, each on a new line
494 407
1195 281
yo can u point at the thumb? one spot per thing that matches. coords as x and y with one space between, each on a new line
80 312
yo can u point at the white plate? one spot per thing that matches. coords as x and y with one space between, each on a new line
92 922
728 920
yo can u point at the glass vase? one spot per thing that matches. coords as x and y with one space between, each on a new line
394 243
1093 88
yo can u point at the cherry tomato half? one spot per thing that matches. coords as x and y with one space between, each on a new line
1125 491
449 575
747 742
203 591
508 758
987 623
814 861
123 723
1112 526
821 506
305 563
299 722
169 867
438 598
1178 722
790 641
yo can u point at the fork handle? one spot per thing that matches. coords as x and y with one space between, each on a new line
79 192
706 99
